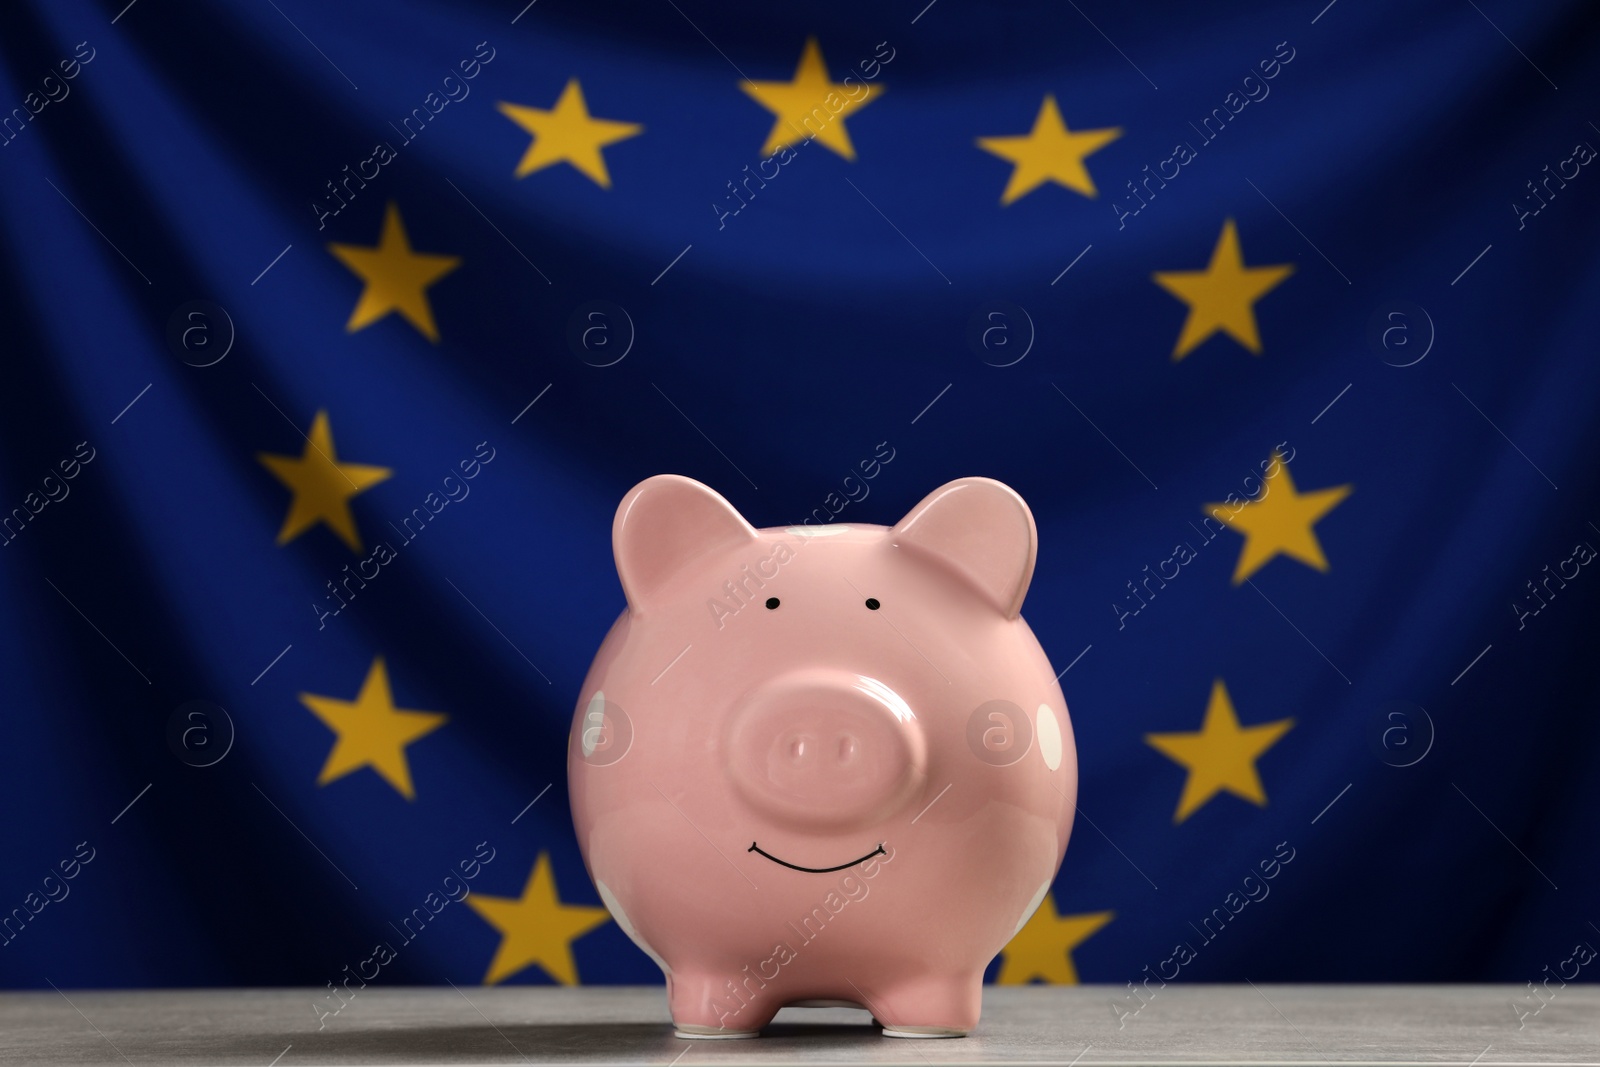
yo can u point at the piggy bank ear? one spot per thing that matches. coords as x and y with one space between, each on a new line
663 526
982 531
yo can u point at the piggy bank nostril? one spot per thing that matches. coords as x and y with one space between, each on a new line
847 748
797 748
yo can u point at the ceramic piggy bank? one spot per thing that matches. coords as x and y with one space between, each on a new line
822 765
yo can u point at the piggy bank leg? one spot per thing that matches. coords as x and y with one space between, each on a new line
930 1006
708 1009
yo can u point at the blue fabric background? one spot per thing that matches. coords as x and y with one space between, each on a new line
798 336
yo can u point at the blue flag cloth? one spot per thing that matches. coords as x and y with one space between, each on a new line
335 334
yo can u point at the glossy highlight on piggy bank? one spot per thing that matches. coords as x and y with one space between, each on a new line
822 764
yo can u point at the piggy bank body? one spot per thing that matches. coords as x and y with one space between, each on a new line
822 764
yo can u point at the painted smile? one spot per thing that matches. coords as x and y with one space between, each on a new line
816 870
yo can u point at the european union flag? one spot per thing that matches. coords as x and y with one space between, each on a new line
335 334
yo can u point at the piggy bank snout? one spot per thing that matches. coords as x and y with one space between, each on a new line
825 751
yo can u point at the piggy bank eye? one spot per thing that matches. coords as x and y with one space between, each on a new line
772 602
872 603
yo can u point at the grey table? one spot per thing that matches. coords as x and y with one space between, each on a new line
1218 1024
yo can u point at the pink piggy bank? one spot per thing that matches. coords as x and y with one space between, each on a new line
822 765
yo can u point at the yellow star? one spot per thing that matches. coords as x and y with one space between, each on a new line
1220 755
1043 947
1051 153
396 277
568 134
811 97
536 929
372 731
322 486
1221 297
1279 521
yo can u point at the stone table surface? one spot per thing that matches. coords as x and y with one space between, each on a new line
1199 1024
